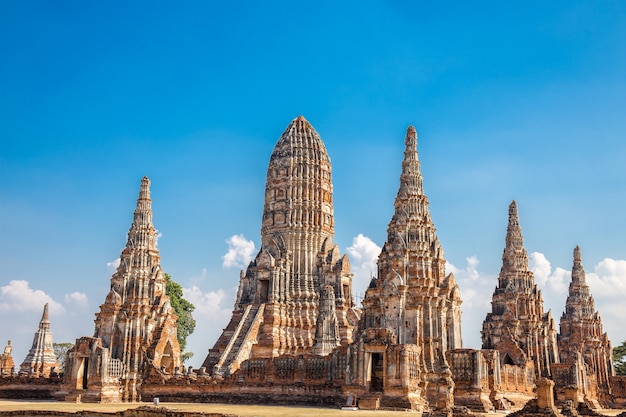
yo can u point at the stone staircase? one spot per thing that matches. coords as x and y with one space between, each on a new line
240 344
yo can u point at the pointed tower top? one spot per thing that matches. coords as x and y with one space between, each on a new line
144 190
577 255
411 137
513 216
514 231
578 271
44 317
515 257
411 217
411 182
143 212
300 133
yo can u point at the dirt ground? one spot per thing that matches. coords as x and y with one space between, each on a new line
239 410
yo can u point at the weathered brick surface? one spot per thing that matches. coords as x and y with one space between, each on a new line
582 341
41 360
277 311
297 337
135 328
517 326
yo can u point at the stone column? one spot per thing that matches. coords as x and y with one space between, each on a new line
545 394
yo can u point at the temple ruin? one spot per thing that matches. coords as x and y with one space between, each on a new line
296 335
135 330
517 326
412 306
584 348
279 309
41 360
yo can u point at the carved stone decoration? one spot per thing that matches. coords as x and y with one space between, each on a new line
517 326
136 328
41 360
327 329
7 365
581 332
296 261
412 298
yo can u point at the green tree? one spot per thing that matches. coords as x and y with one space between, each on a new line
183 309
60 349
619 359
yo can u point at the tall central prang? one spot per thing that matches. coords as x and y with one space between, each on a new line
298 208
298 268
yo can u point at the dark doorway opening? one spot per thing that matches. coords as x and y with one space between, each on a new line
378 377
263 291
85 372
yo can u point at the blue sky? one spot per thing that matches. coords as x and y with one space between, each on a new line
511 100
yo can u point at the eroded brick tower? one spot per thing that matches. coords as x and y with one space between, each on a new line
581 330
41 360
136 328
517 326
136 321
277 304
412 296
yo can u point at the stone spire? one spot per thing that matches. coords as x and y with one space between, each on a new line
411 220
411 182
41 359
581 329
412 296
136 321
515 258
517 325
579 277
278 300
413 256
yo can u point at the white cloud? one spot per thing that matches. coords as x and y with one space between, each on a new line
554 283
363 260
540 266
608 278
24 305
18 296
469 273
212 313
476 290
78 299
209 305
608 287
159 235
200 278
113 265
240 252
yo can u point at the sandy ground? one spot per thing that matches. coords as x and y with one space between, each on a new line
238 410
